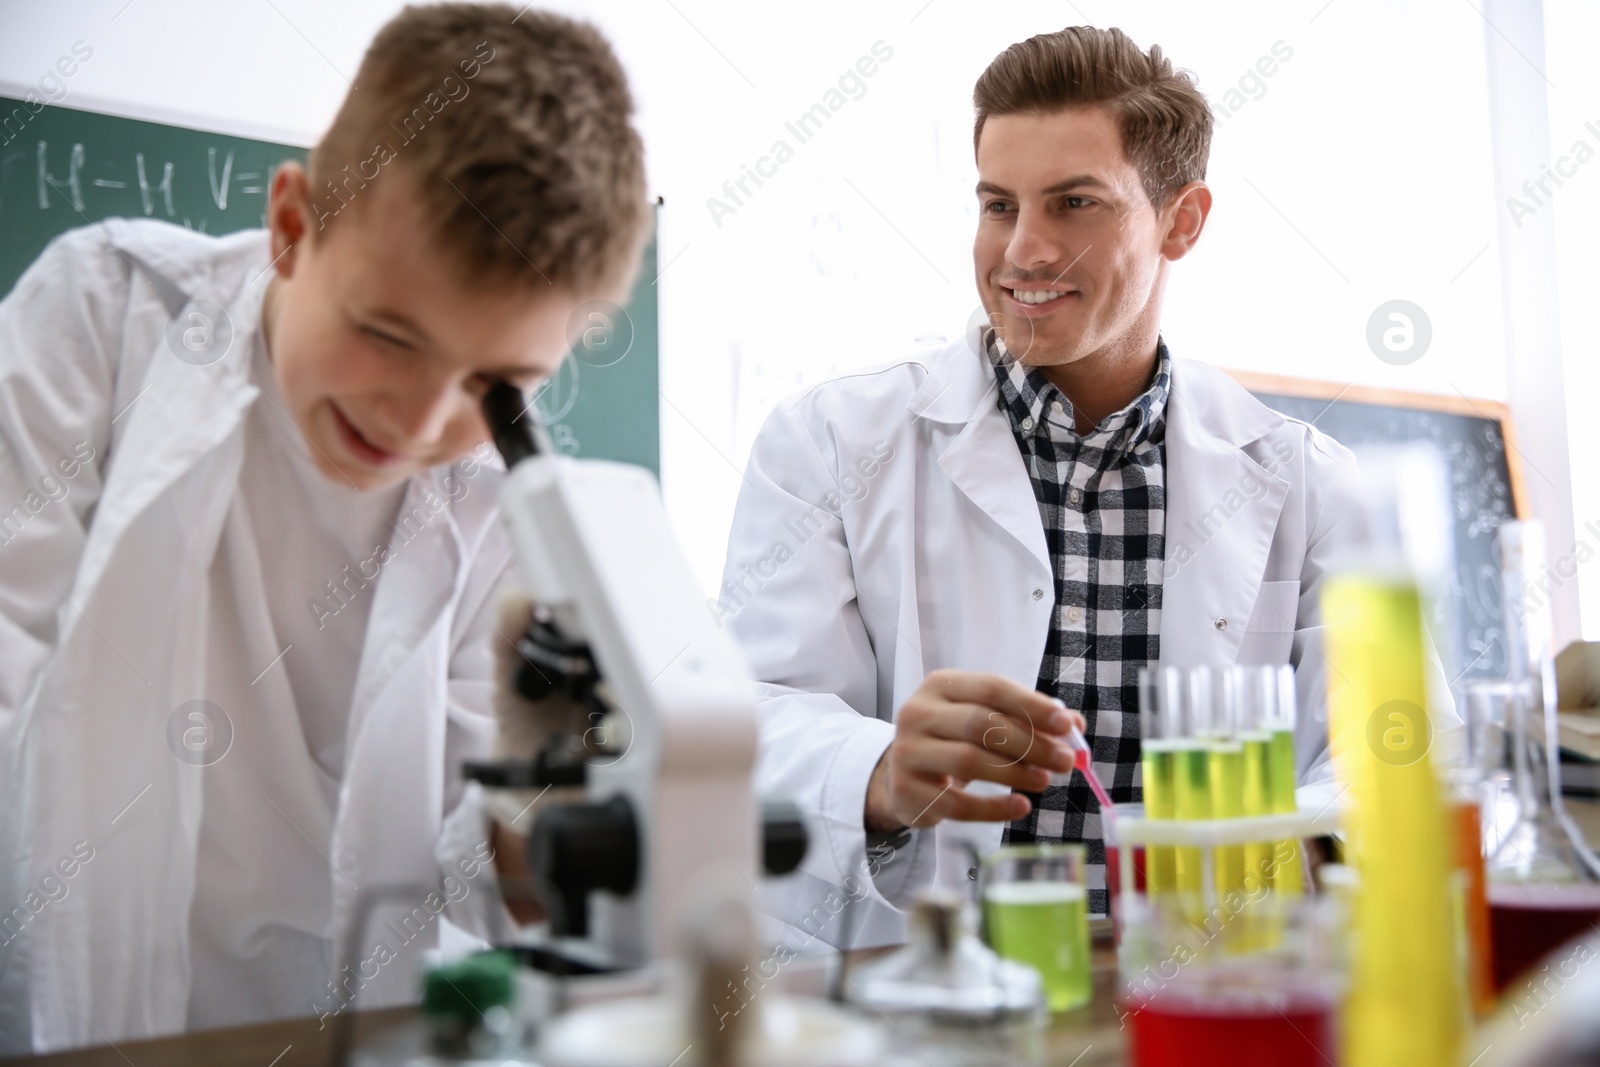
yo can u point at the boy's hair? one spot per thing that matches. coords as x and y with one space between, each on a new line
1164 120
515 131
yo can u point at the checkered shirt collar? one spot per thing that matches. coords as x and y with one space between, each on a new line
1030 396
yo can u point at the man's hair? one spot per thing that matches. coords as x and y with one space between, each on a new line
515 131
1164 120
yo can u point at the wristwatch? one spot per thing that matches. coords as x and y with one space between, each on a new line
878 840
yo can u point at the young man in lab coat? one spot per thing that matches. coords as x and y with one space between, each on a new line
246 647
925 557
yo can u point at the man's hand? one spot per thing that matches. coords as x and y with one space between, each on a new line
961 726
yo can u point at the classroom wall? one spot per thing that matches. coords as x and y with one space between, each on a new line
1351 166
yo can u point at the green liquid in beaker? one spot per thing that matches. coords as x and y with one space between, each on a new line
1046 926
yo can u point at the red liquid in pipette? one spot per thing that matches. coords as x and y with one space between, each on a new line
1081 762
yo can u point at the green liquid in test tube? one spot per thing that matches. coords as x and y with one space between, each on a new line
1191 799
1157 753
1161 872
1257 801
1225 758
1287 874
1263 711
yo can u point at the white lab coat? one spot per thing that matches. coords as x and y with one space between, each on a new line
887 527
103 635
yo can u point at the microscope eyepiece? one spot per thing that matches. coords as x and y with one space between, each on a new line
512 422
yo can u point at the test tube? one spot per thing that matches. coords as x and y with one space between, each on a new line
1253 687
1225 764
1289 873
1266 716
1158 728
1190 691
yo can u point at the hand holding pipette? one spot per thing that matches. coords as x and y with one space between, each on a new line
1083 762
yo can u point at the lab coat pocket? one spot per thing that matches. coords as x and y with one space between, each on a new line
1269 636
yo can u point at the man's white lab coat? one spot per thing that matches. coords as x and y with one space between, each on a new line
887 527
103 634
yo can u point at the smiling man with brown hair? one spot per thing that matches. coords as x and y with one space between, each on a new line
1064 503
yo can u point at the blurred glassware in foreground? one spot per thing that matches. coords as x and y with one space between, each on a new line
1543 877
1036 912
950 1000
1407 1004
466 1017
1190 998
708 1013
1550 1023
1219 745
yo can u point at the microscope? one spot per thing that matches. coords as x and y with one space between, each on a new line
668 809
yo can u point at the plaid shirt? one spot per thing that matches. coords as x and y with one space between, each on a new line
1102 497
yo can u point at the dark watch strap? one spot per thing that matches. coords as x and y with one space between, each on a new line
878 840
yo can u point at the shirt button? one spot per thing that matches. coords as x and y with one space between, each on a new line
1038 594
972 874
1074 614
1222 624
1055 406
1076 495
1027 423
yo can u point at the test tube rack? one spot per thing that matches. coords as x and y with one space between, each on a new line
1129 830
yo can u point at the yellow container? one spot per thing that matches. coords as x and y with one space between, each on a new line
1406 1005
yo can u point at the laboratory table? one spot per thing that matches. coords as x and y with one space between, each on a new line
1088 1037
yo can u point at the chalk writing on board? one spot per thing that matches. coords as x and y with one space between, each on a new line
63 181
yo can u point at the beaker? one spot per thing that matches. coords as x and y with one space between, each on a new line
1035 908
1191 998
1543 878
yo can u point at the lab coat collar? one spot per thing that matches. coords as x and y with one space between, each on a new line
960 383
983 461
184 411
1211 422
1219 407
195 264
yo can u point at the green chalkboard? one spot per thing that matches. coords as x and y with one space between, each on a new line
61 168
